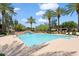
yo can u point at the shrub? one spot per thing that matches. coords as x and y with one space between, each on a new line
19 27
2 54
74 32
3 33
42 27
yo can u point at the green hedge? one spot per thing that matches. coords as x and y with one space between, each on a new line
2 54
42 27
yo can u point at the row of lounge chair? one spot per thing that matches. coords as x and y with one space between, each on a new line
71 33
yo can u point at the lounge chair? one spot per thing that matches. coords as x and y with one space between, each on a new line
77 33
69 33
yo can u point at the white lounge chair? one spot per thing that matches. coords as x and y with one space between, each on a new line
77 33
70 33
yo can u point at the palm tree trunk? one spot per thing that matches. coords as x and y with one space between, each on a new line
7 25
49 25
78 22
77 10
31 26
58 23
3 21
7 28
10 25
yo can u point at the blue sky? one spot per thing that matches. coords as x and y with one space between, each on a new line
25 10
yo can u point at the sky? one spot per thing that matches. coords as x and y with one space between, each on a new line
36 10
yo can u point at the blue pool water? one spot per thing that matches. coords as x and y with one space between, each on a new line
31 39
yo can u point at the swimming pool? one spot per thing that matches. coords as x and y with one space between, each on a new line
31 39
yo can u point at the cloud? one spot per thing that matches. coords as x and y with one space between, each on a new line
52 6
41 20
46 6
16 9
40 13
23 20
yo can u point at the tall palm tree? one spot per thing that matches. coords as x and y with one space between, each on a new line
15 22
73 7
54 23
8 23
6 10
48 15
0 21
31 20
58 13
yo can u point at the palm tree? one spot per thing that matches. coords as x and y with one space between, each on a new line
8 23
48 15
6 10
0 21
15 22
54 23
73 7
58 13
31 20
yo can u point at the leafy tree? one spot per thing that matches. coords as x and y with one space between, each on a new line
70 25
18 26
42 27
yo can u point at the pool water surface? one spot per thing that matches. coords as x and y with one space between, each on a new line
31 39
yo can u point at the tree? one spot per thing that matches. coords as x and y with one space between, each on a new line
73 7
30 20
7 11
15 22
54 23
58 13
42 27
70 25
0 21
18 27
48 15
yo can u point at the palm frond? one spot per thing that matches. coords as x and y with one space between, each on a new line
70 8
31 20
48 14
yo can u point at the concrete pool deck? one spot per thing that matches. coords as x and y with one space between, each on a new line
61 45
54 45
9 39
11 45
